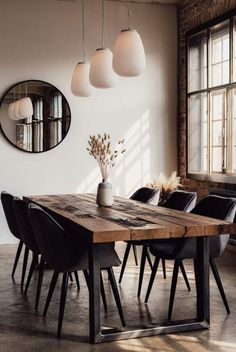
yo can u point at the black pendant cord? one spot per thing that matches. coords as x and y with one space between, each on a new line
103 27
83 32
130 15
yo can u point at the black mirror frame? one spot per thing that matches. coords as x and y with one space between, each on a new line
3 133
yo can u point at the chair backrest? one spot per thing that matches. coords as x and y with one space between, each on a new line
53 241
223 193
6 199
181 200
21 213
147 195
217 207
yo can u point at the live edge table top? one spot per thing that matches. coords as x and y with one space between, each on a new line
128 219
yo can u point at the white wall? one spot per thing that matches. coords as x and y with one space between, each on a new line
42 40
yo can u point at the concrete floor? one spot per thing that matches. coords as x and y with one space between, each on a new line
22 330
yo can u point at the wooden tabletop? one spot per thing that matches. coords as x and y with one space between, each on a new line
128 219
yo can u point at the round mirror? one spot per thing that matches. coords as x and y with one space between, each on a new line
34 116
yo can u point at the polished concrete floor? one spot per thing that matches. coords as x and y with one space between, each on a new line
22 330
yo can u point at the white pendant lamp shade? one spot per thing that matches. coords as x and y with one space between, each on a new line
25 108
11 111
16 111
129 55
101 73
80 85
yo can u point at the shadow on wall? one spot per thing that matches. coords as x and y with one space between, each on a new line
133 168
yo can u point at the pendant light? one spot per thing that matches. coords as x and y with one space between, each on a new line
11 107
16 111
129 55
101 73
11 111
80 85
26 106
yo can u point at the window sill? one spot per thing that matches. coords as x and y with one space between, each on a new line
221 178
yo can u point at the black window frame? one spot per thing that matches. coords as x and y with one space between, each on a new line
230 15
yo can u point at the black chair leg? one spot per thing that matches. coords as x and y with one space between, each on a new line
181 265
152 278
31 270
77 279
127 250
103 292
71 277
135 254
50 292
116 295
164 268
149 259
173 288
86 276
40 281
25 261
62 302
142 268
18 252
219 284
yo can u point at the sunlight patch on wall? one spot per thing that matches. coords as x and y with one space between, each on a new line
133 167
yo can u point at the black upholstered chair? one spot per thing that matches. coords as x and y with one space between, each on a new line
180 249
6 200
149 196
181 200
21 213
65 254
146 195
177 200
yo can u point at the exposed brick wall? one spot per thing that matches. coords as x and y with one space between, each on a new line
192 13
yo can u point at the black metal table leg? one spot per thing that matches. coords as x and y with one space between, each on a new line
199 323
202 280
94 294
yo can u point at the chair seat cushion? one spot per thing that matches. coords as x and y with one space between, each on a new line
186 248
108 258
174 248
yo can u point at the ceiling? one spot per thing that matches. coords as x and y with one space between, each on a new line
160 2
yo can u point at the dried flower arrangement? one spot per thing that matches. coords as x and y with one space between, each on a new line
166 184
100 149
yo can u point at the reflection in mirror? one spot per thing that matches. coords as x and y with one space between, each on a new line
38 123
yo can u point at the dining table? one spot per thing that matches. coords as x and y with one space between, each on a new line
128 220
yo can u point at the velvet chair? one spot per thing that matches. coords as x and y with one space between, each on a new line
180 249
6 200
177 200
65 254
149 196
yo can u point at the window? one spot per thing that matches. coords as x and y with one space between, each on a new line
211 93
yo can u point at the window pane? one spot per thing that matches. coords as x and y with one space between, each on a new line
205 130
217 106
219 54
218 122
234 50
216 133
197 133
216 159
234 132
197 71
225 72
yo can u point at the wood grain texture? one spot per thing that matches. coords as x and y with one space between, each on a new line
128 219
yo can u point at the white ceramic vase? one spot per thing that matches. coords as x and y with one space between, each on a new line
104 194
